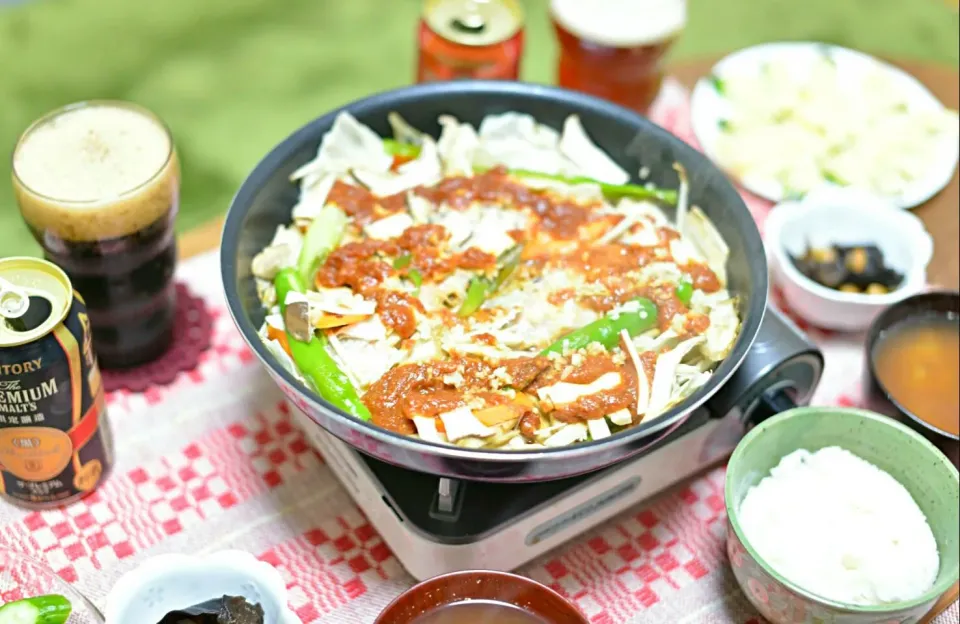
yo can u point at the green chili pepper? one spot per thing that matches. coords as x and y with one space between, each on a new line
313 360
322 237
404 150
685 290
607 330
476 295
481 288
402 262
51 609
634 191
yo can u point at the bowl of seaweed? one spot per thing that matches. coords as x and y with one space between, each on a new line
228 587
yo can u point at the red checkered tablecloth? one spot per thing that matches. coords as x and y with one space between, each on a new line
214 461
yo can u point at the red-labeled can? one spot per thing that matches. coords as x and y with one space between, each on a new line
54 440
463 39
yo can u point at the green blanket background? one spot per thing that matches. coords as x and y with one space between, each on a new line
234 77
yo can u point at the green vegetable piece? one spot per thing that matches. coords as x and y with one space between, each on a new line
404 150
607 330
476 295
833 178
480 288
613 191
725 125
508 264
417 280
718 84
402 262
313 360
49 609
685 291
322 237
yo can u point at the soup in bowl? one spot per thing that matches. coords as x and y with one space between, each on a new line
913 367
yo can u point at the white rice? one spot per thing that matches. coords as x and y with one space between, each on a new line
841 528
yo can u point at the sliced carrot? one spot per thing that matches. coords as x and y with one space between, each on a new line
327 321
280 336
399 160
439 423
598 228
491 416
524 400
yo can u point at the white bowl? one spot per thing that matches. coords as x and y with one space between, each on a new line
172 582
844 216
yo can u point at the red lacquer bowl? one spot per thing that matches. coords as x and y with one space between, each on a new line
502 587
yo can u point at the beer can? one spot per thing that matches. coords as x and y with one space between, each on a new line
461 39
54 438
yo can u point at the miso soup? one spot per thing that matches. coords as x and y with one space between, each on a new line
918 363
479 612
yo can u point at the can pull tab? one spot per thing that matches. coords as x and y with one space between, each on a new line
471 21
14 302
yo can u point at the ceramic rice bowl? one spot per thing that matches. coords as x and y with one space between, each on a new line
909 458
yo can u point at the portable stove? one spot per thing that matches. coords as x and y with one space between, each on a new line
436 525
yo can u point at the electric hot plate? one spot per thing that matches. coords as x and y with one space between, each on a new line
436 525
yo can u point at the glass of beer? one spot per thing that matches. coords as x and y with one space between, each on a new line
614 49
98 184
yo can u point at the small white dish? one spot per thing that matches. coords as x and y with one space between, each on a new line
709 110
844 216
171 582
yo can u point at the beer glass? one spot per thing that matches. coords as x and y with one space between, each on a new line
614 49
98 185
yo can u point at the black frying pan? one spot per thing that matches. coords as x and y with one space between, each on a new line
266 198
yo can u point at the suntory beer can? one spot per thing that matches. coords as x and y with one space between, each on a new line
54 439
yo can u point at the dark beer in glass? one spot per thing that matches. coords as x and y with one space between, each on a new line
98 184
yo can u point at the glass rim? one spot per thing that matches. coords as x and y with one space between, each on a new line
103 103
582 33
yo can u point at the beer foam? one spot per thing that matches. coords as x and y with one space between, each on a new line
621 23
94 172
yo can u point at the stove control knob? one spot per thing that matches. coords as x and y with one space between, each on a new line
771 402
